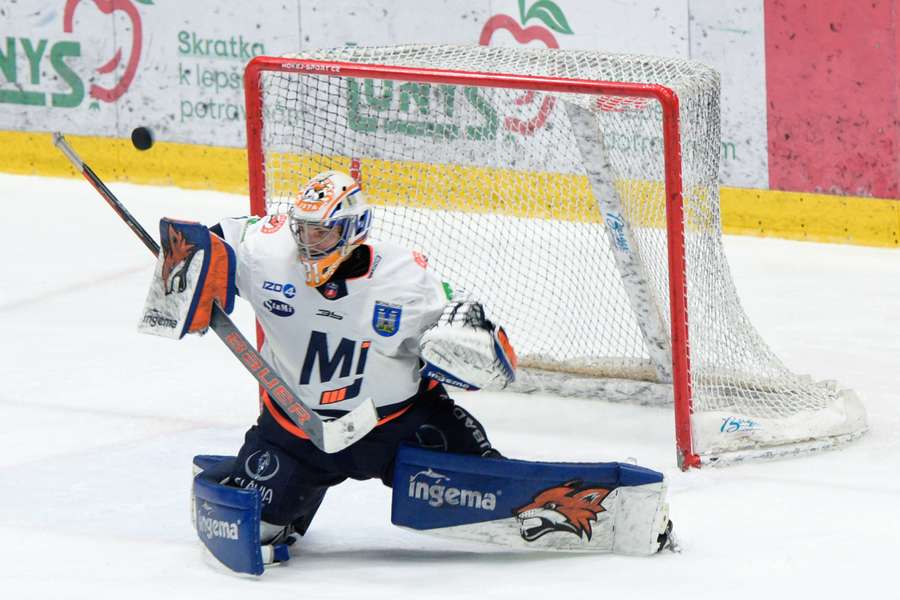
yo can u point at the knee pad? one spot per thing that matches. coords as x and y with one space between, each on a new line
279 478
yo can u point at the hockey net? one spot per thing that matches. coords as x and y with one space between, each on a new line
576 195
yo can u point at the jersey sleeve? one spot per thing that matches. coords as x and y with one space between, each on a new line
233 230
425 312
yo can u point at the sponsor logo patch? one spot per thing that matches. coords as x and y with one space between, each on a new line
375 262
288 289
738 425
265 493
429 486
420 259
386 319
211 527
324 312
432 372
279 308
616 225
154 318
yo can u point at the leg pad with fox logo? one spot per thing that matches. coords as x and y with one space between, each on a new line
587 507
195 269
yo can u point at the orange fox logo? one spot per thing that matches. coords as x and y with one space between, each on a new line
570 507
177 255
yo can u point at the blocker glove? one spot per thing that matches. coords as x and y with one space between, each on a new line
195 269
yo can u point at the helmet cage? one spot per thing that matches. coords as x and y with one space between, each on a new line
327 221
322 251
343 233
318 239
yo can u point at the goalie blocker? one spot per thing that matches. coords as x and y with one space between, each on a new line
194 270
587 507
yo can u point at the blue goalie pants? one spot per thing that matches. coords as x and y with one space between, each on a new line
292 475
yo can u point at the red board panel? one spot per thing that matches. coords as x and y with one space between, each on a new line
831 78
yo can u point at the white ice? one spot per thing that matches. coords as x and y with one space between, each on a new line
98 426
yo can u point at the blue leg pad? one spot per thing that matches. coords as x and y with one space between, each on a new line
227 519
591 507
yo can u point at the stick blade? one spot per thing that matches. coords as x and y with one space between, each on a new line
344 432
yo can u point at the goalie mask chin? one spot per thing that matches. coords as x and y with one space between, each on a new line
328 220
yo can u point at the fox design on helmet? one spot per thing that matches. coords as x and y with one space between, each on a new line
177 255
328 220
570 507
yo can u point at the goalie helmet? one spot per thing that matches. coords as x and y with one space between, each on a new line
329 219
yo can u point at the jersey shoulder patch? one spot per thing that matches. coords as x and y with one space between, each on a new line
397 254
271 232
405 269
272 223
420 259
265 225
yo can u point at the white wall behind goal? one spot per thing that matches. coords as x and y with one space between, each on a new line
176 66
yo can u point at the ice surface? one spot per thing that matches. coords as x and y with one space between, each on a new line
98 426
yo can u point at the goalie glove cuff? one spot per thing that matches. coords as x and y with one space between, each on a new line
464 349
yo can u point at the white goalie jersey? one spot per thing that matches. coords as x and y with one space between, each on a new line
347 340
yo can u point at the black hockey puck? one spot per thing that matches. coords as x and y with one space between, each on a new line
142 138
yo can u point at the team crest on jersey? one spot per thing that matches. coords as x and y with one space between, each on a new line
386 319
333 290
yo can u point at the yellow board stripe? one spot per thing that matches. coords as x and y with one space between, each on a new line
812 217
789 215
447 187
183 165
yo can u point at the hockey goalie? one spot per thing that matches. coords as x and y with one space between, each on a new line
347 319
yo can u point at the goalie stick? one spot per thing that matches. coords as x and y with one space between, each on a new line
328 436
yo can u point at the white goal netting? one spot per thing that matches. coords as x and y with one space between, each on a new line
551 209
